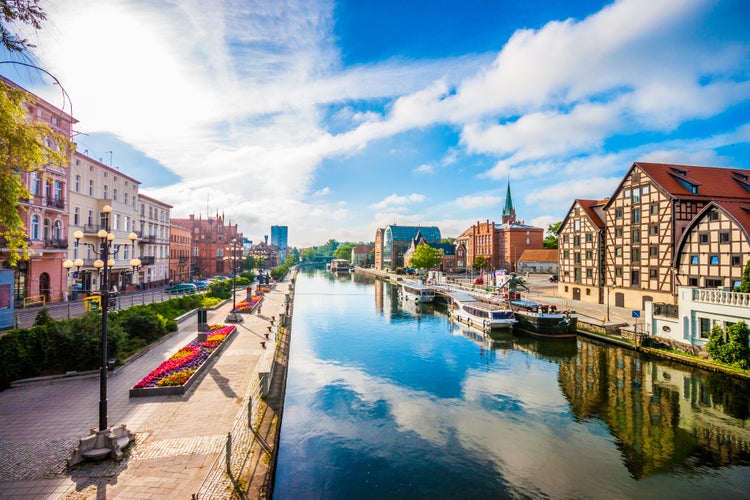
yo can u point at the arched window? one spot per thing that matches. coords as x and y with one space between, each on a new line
34 227
46 229
36 184
58 230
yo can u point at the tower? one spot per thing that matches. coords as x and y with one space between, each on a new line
509 213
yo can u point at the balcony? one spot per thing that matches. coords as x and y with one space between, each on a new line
721 297
148 239
55 243
147 260
183 260
56 203
91 228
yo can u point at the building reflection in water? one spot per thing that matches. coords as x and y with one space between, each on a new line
664 416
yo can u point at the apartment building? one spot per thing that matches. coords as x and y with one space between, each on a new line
94 185
44 214
659 234
392 242
154 229
210 239
180 246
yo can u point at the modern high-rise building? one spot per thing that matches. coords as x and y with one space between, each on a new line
279 237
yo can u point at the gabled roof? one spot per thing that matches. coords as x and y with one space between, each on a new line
695 182
739 211
402 233
588 207
545 255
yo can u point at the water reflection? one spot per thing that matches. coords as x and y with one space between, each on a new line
383 401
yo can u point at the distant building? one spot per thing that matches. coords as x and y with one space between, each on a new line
180 247
447 253
154 225
210 240
279 238
393 241
361 255
538 261
268 254
501 244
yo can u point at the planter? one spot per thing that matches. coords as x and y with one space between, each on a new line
248 306
176 375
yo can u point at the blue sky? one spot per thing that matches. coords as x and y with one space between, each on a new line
335 118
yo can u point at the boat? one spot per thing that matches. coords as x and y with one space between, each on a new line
340 266
544 320
416 292
467 309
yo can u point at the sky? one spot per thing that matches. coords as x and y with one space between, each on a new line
335 118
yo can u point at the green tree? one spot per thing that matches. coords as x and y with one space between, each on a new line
426 257
328 249
308 253
344 251
550 237
730 346
448 241
13 12
745 284
480 262
26 146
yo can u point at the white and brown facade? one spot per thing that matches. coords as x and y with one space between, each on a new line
581 252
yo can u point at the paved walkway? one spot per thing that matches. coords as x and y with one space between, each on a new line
177 437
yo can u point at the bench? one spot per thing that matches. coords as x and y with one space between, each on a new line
101 444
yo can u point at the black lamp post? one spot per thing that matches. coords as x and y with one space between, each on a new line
107 251
233 250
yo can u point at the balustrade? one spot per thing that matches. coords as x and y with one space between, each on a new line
721 297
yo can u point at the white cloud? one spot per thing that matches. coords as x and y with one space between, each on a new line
424 169
396 200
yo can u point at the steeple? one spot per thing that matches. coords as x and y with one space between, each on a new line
509 213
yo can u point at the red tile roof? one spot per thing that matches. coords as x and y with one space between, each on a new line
708 182
545 255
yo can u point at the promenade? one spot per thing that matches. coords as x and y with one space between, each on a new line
177 438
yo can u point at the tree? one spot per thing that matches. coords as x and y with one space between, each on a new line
730 346
19 11
426 257
26 146
480 262
308 253
550 238
745 284
344 251
328 249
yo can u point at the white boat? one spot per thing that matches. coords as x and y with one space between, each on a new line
467 309
416 292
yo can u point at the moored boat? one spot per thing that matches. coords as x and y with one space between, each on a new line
544 320
467 309
416 292
340 266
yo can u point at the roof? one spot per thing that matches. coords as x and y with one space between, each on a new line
739 211
545 255
696 182
447 248
430 234
362 248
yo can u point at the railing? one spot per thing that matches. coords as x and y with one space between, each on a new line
721 297
33 300
55 243
91 228
147 260
148 239
56 202
665 310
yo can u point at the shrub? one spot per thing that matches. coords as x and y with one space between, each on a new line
730 346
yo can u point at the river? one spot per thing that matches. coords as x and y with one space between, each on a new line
387 401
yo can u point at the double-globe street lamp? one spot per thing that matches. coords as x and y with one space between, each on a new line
107 251
234 250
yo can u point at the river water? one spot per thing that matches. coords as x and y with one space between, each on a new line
385 401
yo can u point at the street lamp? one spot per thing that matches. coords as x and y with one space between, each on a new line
233 250
106 251
68 265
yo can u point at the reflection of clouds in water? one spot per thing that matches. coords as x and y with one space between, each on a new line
518 421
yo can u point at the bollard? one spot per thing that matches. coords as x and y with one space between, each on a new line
229 453
250 412
263 344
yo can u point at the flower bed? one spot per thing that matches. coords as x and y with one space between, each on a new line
178 373
247 305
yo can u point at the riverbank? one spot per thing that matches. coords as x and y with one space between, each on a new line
605 323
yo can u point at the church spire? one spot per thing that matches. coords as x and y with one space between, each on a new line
509 213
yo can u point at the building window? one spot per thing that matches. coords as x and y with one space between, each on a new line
91 187
577 257
635 278
618 272
577 272
636 196
694 259
713 283
653 230
106 191
636 236
636 215
653 273
635 254
78 184
589 254
58 191
126 198
57 230
654 208
627 193
618 251
76 216
724 237
703 238
644 190
714 260
114 195
618 213
713 215
565 238
736 261
589 238
653 251
34 227
566 254
705 327
577 224
589 273
618 232
576 241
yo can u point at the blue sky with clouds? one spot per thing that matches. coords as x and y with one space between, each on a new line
335 118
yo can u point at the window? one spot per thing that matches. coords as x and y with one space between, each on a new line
576 241
636 196
636 236
654 208
45 229
653 273
724 237
703 238
36 185
566 254
114 195
126 198
635 278
57 231
58 190
577 275
628 193
618 272
705 327
565 237
653 230
618 232
713 215
91 187
589 238
644 190
653 251
736 261
78 184
34 227
714 260
589 273
106 192
636 215
635 254
589 254
577 257
694 259
618 251
77 216
713 283
618 213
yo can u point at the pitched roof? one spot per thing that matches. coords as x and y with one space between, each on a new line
401 233
545 255
588 207
683 181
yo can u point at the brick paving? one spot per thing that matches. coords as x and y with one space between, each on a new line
177 438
